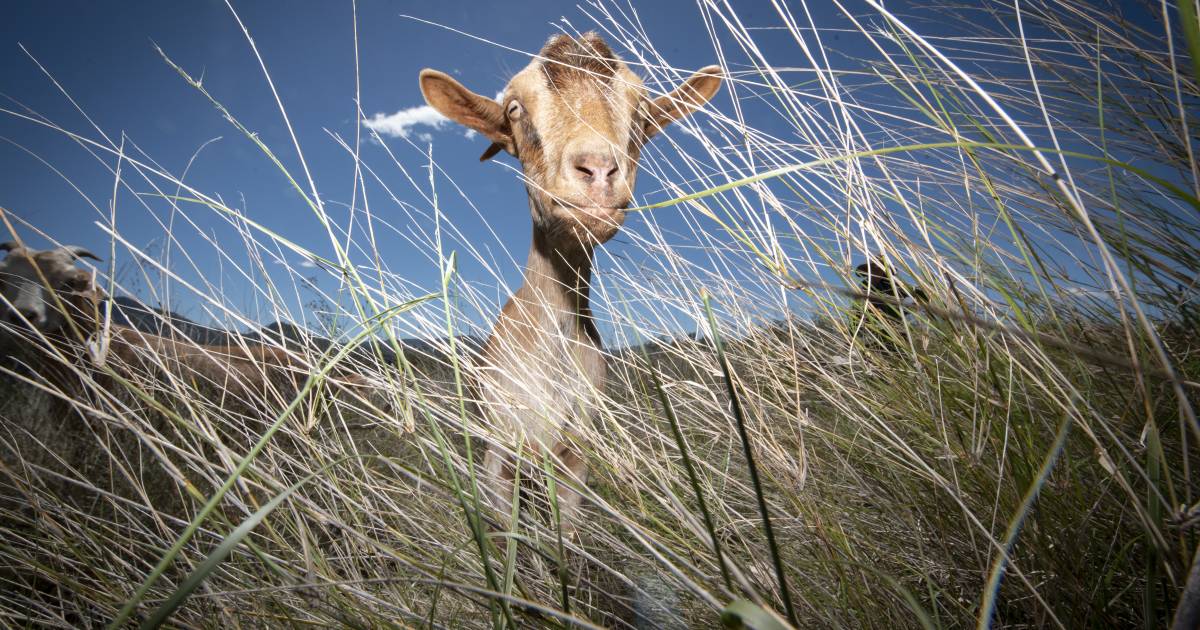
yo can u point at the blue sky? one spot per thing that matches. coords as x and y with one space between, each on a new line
102 55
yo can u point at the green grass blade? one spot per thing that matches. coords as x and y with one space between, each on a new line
991 591
313 380
748 449
227 545
1191 34
693 478
1175 190
745 614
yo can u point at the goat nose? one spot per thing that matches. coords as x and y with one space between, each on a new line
595 168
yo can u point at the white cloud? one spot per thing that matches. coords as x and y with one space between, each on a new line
402 123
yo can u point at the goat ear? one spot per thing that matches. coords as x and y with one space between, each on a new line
491 152
8 246
686 98
76 252
467 108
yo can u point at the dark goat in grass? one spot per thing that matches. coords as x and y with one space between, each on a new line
46 299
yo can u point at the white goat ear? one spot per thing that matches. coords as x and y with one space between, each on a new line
454 101
685 99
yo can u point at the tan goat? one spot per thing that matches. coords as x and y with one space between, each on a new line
44 291
576 117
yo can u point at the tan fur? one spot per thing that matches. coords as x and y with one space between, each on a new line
577 118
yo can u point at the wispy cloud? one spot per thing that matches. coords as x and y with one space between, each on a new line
414 122
402 123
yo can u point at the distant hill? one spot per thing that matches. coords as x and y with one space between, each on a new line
134 314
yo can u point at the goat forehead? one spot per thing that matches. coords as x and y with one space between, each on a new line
566 59
27 265
617 88
17 265
584 105
578 67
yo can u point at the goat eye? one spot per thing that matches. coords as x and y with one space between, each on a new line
515 110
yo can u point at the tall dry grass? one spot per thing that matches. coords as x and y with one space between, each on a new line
1014 452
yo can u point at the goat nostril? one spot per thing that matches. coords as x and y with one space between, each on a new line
595 169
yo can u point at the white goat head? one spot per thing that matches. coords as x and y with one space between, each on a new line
27 277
